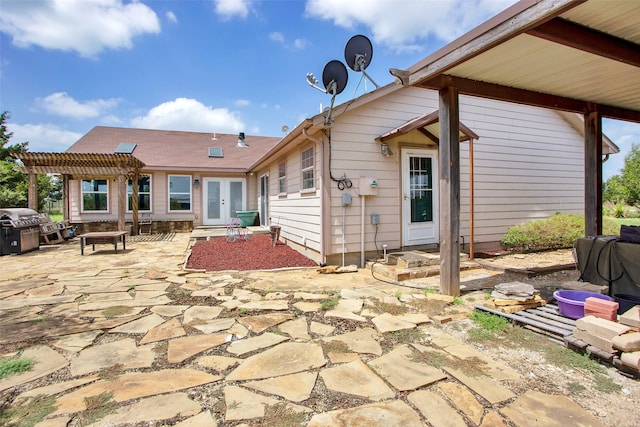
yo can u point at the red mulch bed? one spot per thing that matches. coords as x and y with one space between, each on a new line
256 254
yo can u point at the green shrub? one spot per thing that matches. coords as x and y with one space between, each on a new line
10 367
556 232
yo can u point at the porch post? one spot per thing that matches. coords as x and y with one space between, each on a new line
32 192
593 173
122 201
65 198
449 191
134 202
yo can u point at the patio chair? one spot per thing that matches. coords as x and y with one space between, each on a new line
144 221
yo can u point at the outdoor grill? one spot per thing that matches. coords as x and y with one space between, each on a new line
19 230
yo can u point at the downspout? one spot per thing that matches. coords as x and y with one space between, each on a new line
322 194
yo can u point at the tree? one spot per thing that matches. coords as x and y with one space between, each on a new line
625 187
14 185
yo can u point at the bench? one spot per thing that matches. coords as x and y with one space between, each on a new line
103 237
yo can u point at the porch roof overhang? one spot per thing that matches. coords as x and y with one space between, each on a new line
80 165
428 125
572 55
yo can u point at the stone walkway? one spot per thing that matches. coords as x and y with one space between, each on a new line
245 348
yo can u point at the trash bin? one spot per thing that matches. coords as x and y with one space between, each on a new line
247 218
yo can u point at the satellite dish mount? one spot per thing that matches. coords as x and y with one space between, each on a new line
358 54
334 79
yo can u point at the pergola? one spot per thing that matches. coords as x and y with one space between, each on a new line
581 56
85 166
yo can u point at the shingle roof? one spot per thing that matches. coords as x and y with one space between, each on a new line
177 150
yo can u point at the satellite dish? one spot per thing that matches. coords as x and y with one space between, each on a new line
334 77
358 53
285 129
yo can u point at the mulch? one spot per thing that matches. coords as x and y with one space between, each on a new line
258 253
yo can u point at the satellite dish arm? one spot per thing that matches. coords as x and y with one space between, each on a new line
332 89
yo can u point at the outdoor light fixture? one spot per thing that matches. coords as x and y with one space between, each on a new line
196 183
385 150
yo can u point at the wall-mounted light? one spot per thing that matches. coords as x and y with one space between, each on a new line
385 150
196 183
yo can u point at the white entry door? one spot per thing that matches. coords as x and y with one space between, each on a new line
419 197
222 198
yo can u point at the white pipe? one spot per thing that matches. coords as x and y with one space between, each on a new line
344 212
364 198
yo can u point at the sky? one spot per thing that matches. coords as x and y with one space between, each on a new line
223 66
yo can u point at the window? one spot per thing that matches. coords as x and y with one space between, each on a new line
282 177
179 193
95 195
307 169
144 194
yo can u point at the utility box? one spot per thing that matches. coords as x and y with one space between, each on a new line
346 199
368 186
375 219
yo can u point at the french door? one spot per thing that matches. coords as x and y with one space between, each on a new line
222 198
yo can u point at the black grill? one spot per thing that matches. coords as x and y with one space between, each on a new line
19 231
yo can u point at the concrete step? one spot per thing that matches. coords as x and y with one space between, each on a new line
401 273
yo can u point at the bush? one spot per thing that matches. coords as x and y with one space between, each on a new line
556 232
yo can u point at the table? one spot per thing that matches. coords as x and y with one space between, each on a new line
103 237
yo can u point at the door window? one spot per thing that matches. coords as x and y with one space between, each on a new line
421 189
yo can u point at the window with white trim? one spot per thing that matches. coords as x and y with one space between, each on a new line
282 178
144 194
179 193
95 195
307 167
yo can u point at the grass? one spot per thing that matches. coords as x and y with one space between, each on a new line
406 336
487 326
334 346
28 412
394 309
625 221
116 310
10 367
97 407
328 303
281 415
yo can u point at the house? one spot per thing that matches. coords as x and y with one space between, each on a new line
342 191
188 178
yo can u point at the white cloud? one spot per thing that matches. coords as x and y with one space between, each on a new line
403 26
277 37
61 104
300 43
172 17
43 137
242 103
86 27
228 9
189 115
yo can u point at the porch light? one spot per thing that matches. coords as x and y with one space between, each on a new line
385 150
196 183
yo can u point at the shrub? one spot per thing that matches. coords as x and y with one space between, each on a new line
556 232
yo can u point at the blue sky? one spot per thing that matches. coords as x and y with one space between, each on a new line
221 66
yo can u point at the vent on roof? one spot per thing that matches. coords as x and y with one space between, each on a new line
215 152
126 148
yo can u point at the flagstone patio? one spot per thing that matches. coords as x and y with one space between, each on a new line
189 348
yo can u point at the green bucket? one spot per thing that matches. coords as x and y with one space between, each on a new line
247 218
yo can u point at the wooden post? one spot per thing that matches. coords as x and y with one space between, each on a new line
134 202
32 192
122 201
449 191
593 173
471 201
65 198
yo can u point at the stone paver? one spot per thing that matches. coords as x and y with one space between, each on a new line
76 342
389 323
134 385
215 325
139 326
200 314
203 419
167 330
436 410
534 405
485 386
294 387
296 329
393 413
150 409
281 305
270 363
361 341
248 345
464 400
123 352
46 362
321 328
402 372
262 322
169 310
217 363
183 348
245 405
357 379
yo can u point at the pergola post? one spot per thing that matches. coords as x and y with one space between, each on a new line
593 173
134 202
65 197
32 192
122 201
449 191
